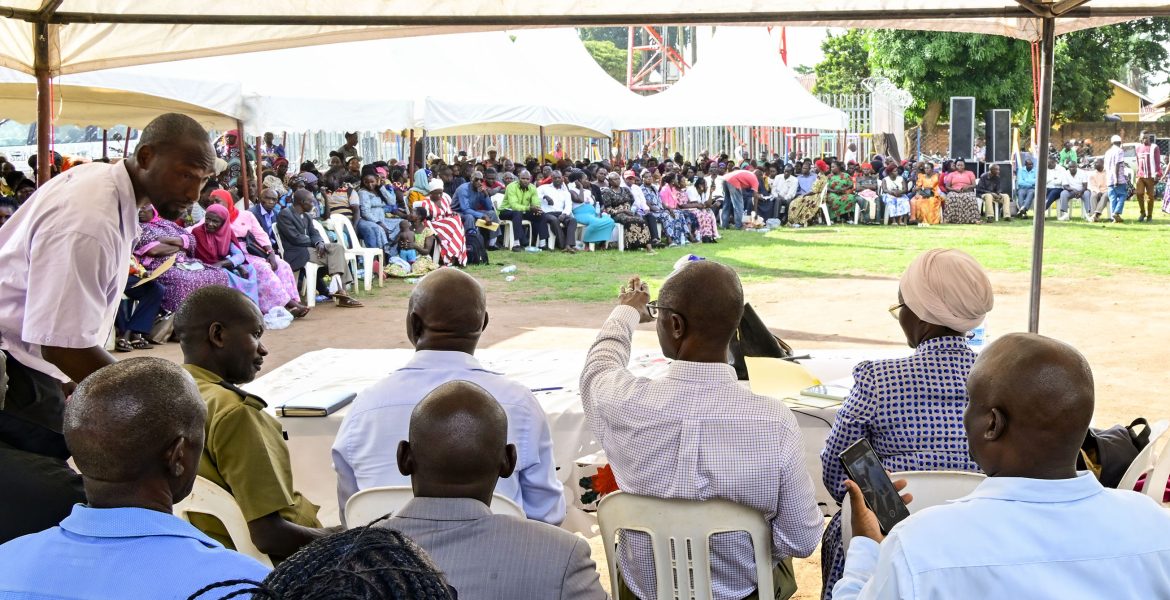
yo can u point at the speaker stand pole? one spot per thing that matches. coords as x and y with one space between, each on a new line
1043 127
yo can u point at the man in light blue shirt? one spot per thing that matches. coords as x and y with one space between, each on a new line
446 315
1036 528
136 432
1025 187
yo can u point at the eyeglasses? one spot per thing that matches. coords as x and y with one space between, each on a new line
653 309
896 309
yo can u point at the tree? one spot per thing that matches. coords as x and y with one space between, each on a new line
610 57
618 36
803 70
933 66
846 63
1086 60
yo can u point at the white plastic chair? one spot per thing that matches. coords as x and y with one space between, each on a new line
1152 463
206 498
680 532
373 503
929 488
325 237
354 249
308 286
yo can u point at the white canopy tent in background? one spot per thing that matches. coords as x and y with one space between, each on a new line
739 80
51 37
109 99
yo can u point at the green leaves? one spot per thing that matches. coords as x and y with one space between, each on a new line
846 63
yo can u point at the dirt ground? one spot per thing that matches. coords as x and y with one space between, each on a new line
1115 321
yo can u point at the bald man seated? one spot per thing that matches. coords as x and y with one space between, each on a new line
135 429
445 317
696 434
246 454
1035 528
457 451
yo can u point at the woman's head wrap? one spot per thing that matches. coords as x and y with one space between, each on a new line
947 287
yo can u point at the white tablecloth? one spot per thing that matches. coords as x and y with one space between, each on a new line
310 438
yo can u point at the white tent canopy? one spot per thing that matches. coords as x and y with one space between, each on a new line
725 88
88 35
109 99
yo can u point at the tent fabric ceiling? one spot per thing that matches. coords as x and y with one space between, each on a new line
100 34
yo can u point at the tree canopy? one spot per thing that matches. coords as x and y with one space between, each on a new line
846 63
610 57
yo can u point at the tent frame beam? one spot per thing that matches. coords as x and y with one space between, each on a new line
1044 127
1063 8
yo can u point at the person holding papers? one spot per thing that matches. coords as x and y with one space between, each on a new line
245 452
911 409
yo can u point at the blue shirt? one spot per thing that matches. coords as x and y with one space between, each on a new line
364 452
467 201
804 184
100 553
1026 178
1019 538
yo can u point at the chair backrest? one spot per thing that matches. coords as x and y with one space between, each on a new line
373 503
346 234
321 231
930 488
206 498
1145 461
276 239
680 533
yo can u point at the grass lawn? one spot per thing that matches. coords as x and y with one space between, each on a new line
1072 249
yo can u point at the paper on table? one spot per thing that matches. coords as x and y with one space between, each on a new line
777 377
155 274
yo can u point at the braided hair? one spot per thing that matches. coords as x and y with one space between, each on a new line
358 564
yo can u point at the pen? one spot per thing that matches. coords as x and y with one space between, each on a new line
547 389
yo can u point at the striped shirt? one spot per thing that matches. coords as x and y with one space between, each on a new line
696 434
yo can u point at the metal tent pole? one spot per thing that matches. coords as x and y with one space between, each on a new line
44 103
1044 126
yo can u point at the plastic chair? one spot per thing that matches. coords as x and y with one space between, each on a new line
1147 462
206 498
680 532
930 488
325 236
308 285
373 503
354 249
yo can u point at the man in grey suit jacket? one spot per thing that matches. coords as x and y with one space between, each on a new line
457 450
297 235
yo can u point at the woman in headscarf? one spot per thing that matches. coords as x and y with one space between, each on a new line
840 197
961 206
803 209
447 225
275 280
618 202
598 226
420 190
911 409
161 239
926 203
215 246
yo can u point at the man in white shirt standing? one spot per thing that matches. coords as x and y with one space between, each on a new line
445 317
1035 528
64 262
1118 180
1075 185
557 205
696 434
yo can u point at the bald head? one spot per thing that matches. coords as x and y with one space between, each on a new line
458 444
447 311
709 295
1031 402
123 420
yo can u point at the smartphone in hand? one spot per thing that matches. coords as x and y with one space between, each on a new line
864 468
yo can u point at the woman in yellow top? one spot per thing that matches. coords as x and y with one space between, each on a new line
926 203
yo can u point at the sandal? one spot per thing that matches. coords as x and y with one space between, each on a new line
121 345
141 344
299 312
347 302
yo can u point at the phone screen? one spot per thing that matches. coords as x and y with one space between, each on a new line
864 468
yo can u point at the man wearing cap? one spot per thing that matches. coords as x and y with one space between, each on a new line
1118 181
349 149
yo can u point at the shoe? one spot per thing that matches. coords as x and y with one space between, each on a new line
492 248
1118 219
1063 217
517 248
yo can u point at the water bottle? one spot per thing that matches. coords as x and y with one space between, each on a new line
977 338
508 269
510 278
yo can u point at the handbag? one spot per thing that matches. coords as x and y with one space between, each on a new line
163 329
1109 452
753 338
253 247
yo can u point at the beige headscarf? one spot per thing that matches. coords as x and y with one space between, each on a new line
947 287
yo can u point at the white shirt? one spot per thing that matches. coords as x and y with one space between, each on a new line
1078 182
562 200
784 188
1115 165
1019 538
64 262
639 198
365 451
696 434
850 156
1055 177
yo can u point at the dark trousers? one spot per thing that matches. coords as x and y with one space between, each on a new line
563 226
517 218
1051 195
654 225
140 318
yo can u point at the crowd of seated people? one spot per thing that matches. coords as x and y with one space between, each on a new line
458 435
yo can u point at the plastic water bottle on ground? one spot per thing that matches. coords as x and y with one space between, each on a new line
508 269
510 278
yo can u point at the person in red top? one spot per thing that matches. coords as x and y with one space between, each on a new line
738 182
